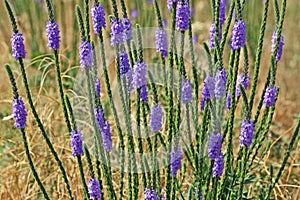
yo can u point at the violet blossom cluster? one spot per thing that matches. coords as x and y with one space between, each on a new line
238 37
212 33
270 96
186 92
139 75
18 48
86 55
94 189
98 18
214 145
52 31
214 87
280 46
150 194
124 63
182 16
19 113
104 128
218 167
76 143
246 135
161 42
176 158
156 118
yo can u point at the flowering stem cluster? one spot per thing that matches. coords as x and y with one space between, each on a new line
216 172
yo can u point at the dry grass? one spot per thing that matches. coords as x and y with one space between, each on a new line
17 181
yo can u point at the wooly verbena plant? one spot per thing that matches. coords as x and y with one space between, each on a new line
175 139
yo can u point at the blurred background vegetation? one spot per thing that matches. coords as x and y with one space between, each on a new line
15 178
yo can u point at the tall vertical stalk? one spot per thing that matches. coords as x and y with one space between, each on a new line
25 143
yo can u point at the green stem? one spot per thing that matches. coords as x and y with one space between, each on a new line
114 111
258 135
11 17
41 127
258 55
229 150
85 188
170 103
115 9
61 91
207 181
285 159
242 174
163 60
195 108
87 21
140 141
260 138
278 32
151 180
35 174
228 22
276 9
108 181
126 115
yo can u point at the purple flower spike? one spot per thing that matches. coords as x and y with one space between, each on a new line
18 48
97 87
118 35
222 11
156 118
238 38
246 136
182 16
161 42
86 55
202 103
244 81
270 96
218 167
52 31
170 4
228 101
176 158
76 143
150 194
144 94
208 91
99 117
212 33
106 137
214 145
220 87
139 76
94 189
209 85
98 18
19 113
186 92
124 63
127 28
280 46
